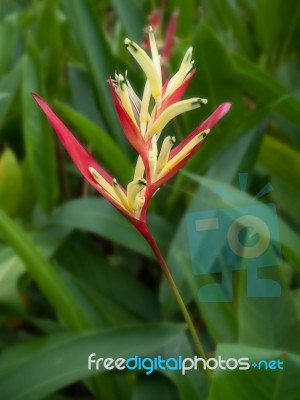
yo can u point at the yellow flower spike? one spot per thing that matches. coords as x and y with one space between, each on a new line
153 148
139 169
147 66
155 54
103 183
140 201
184 69
171 112
164 153
144 115
152 164
121 195
184 152
124 97
133 190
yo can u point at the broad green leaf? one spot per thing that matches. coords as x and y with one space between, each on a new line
286 196
219 317
102 144
109 281
132 18
260 86
254 383
44 274
289 240
281 160
9 85
150 387
49 38
98 216
8 36
212 82
217 85
97 54
100 310
281 31
226 16
187 16
45 365
10 182
38 137
268 322
12 267
193 383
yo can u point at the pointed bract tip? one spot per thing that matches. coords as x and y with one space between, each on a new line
223 109
37 98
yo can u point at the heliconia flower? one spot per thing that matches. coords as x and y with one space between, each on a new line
143 120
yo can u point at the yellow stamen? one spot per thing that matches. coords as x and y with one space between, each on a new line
103 183
154 52
164 153
140 201
120 194
184 152
152 164
171 112
144 115
184 69
147 66
133 190
139 169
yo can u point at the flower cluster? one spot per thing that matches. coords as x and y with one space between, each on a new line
143 120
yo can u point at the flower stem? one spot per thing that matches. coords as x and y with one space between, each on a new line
150 239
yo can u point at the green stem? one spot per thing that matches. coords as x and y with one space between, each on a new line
156 250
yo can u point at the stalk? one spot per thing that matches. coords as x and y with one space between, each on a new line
156 250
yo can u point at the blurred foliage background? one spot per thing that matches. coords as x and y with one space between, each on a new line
75 277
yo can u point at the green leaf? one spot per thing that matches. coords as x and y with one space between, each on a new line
259 85
38 137
219 317
97 54
281 31
191 384
44 274
157 386
8 36
288 238
49 39
10 182
98 216
112 283
45 365
103 145
281 161
9 85
12 267
216 84
268 322
132 18
254 383
187 16
227 16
